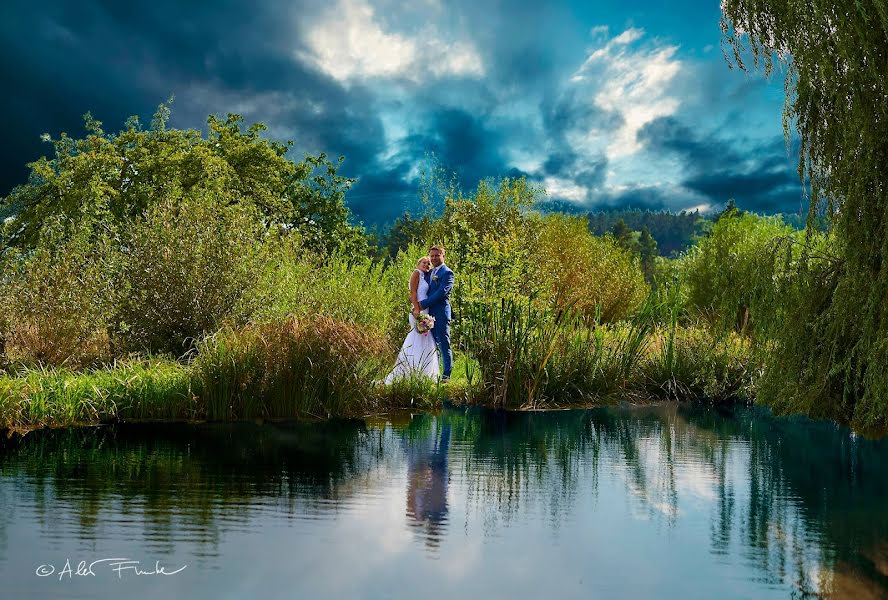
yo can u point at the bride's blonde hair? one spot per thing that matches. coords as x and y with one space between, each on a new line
422 259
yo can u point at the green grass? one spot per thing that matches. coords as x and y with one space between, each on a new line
321 368
144 389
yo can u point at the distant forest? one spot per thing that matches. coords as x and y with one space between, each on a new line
673 232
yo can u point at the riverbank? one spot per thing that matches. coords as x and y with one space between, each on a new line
276 373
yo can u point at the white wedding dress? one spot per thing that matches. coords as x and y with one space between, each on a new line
419 354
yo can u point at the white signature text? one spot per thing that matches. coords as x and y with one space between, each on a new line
118 565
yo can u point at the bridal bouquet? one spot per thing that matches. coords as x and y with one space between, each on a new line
424 323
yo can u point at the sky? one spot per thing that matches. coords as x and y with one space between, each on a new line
604 104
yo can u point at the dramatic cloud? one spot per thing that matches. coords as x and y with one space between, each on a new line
633 84
350 43
600 107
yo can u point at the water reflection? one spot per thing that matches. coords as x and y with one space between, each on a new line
775 505
427 480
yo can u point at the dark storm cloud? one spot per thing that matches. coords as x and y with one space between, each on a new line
760 177
462 142
567 113
116 59
451 138
385 195
62 59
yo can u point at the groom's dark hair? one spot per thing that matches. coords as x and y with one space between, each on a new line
436 247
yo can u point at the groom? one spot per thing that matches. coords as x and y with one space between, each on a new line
440 280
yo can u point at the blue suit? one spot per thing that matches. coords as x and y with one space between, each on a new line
438 305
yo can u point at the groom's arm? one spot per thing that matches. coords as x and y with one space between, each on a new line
441 294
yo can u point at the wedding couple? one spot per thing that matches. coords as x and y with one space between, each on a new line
430 286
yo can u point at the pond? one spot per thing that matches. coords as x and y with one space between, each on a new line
663 501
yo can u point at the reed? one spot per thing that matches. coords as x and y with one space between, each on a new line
530 357
33 397
315 366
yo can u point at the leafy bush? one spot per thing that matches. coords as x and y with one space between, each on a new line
189 265
490 239
591 274
350 289
55 298
730 276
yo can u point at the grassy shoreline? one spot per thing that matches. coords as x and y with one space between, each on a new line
291 371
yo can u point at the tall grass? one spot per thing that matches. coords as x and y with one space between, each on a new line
529 357
315 366
144 389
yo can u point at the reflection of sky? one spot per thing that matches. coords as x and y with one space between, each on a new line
635 527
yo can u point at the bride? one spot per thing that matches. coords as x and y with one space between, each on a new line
419 354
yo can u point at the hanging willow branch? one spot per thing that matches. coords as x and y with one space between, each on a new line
831 355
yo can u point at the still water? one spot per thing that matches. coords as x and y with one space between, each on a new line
656 502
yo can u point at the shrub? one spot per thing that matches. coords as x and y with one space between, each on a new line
730 275
347 288
189 265
55 298
591 274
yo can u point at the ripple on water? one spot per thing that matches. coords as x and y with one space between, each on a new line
745 505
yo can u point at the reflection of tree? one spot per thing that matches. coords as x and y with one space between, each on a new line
815 493
512 459
428 479
181 481
792 497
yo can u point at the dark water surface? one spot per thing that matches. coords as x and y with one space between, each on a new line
659 502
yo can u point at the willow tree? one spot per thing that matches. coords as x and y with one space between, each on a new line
831 349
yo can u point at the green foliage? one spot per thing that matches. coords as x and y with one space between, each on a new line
128 172
697 362
186 267
834 54
406 230
502 249
590 274
350 289
55 299
144 389
647 251
730 275
625 237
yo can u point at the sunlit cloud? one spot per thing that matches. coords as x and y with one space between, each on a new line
634 83
350 43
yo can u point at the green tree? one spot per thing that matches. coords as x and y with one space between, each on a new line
647 248
830 357
730 210
731 275
673 232
404 231
126 173
625 237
